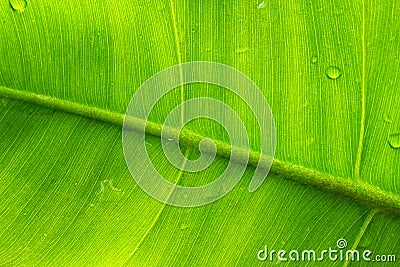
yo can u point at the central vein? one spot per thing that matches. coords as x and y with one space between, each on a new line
363 192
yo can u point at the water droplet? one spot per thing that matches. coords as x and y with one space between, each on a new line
242 49
333 72
18 5
92 205
193 30
261 5
184 227
394 140
387 119
314 60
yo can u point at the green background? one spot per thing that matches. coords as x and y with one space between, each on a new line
97 53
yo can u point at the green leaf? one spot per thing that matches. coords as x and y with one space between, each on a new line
69 70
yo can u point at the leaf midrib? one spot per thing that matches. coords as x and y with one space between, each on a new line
358 190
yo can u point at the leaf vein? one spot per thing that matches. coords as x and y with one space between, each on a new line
360 191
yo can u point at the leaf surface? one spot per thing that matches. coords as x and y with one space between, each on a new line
53 210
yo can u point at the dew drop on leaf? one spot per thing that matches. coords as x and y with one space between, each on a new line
18 5
261 5
242 49
184 227
333 72
394 140
314 60
387 119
